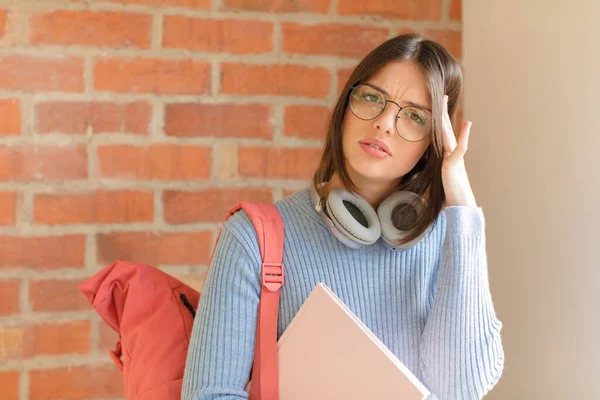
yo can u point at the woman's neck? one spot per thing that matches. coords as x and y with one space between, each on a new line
373 192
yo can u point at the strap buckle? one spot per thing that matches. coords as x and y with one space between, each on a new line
272 276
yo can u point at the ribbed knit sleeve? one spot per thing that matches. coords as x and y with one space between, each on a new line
461 349
222 344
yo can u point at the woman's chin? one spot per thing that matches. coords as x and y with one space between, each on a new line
370 172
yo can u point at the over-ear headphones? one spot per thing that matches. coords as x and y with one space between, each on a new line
356 224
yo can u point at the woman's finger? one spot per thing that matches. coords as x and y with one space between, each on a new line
463 140
447 132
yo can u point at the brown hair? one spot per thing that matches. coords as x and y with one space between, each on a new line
443 76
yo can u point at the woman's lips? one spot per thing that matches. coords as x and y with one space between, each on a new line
377 145
375 152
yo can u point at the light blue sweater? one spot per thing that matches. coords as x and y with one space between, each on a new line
430 305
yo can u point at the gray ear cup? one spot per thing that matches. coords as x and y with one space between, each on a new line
354 216
398 214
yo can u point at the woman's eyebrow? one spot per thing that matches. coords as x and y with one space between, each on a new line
410 103
421 106
382 90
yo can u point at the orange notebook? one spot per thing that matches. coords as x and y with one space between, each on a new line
327 352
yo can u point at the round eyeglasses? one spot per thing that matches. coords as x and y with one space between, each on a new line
412 123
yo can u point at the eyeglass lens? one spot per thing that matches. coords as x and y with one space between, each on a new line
412 123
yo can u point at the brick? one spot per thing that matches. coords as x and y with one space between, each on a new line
9 382
343 74
409 9
57 295
278 163
101 207
9 297
332 39
451 40
456 10
10 123
15 342
166 248
229 36
76 383
316 6
36 73
199 4
8 207
42 252
155 162
24 340
38 163
145 75
278 80
62 338
96 117
10 28
306 121
107 29
219 120
208 205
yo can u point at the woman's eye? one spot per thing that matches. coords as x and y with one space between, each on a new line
371 97
417 118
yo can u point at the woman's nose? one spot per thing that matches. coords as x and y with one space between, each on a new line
386 121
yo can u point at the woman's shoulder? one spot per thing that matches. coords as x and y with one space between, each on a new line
296 206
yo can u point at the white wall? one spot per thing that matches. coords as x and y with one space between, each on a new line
532 90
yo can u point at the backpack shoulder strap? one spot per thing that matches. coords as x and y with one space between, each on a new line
269 231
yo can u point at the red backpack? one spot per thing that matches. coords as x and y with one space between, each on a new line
153 313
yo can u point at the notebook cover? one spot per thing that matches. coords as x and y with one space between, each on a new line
328 353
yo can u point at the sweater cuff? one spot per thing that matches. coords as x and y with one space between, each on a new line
465 221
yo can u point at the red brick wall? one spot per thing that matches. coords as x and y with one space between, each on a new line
129 127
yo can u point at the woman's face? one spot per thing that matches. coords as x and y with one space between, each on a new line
403 83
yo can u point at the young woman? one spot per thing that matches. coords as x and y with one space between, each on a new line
389 223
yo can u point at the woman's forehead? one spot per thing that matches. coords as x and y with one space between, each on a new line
402 80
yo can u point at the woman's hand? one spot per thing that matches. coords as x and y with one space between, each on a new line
454 173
